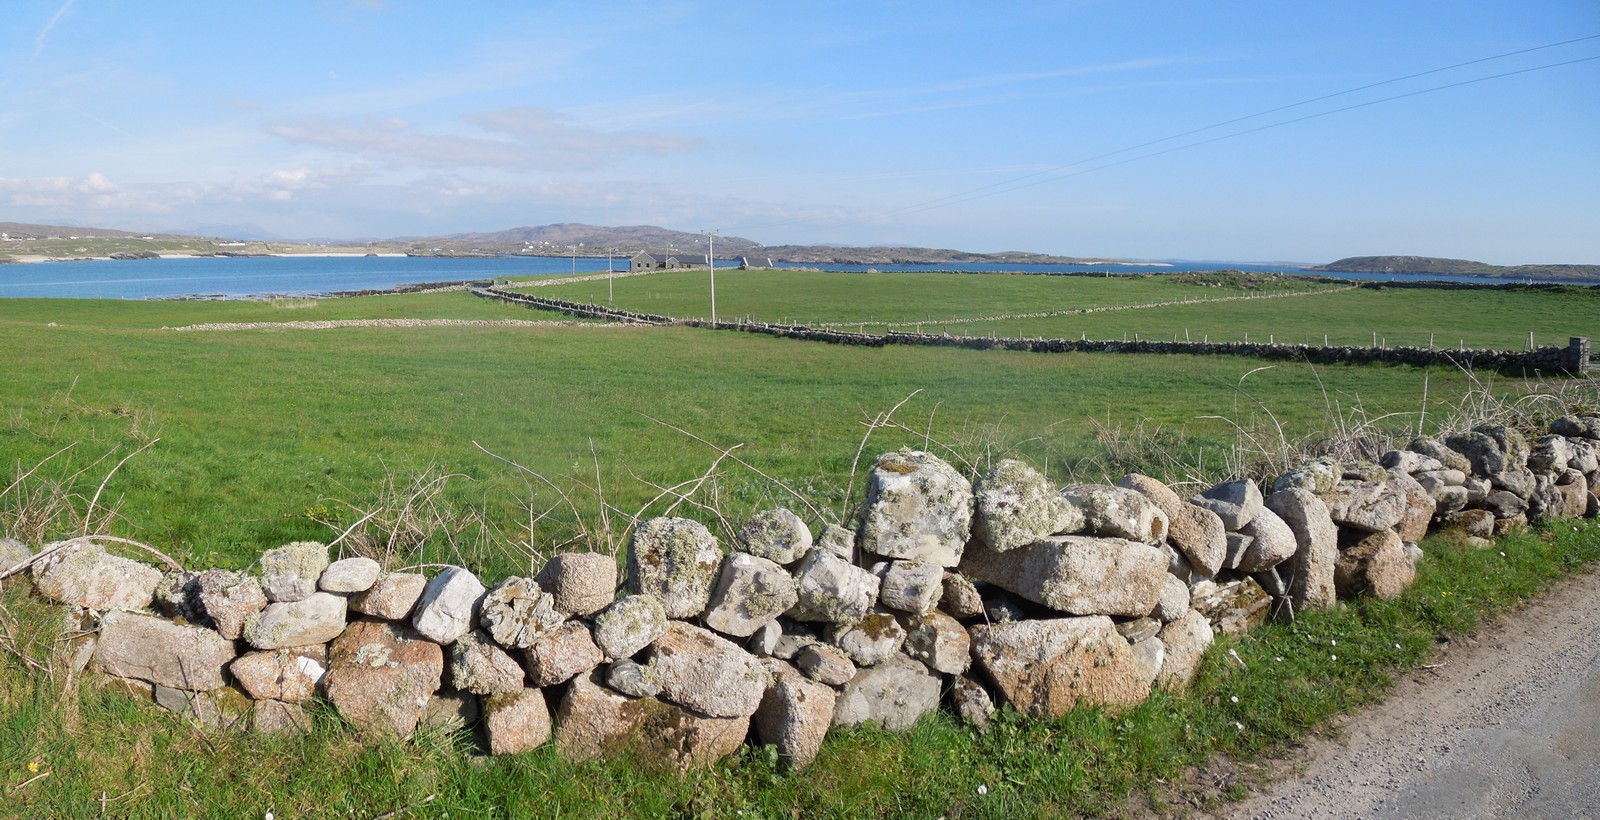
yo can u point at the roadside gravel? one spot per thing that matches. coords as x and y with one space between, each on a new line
1505 723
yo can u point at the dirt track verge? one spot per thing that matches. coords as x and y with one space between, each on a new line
1504 722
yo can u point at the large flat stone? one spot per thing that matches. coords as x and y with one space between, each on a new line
1045 668
153 649
1081 575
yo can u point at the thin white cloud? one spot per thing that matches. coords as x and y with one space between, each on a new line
515 138
44 33
99 194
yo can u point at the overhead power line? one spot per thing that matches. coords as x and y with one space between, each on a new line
1076 168
1066 172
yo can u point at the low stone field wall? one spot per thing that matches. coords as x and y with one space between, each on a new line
951 591
1572 359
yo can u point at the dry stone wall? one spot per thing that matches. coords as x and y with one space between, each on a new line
1572 359
954 591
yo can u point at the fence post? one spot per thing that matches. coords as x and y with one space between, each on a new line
1578 355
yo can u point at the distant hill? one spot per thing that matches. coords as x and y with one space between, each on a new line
562 238
1459 267
24 230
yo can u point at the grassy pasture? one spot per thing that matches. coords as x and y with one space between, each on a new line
260 431
1399 316
810 297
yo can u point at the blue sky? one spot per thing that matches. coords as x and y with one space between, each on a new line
925 123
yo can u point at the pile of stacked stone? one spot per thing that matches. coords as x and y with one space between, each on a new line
964 593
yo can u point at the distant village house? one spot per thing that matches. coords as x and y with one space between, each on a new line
658 261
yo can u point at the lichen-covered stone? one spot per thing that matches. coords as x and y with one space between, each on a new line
448 604
750 592
1409 462
1185 641
893 695
563 653
13 553
179 656
871 640
1577 426
315 619
275 717
177 596
1232 607
1447 458
1272 542
381 676
1365 505
290 675
939 641
480 667
290 572
636 680
579 583
831 590
1174 600
392 597
1374 565
777 535
1158 493
1419 506
972 702
1235 502
450 710
825 664
910 586
1016 505
1200 535
350 575
594 721
1046 667
706 673
1310 571
839 541
917 506
629 625
794 714
518 612
228 599
1117 512
86 575
516 722
676 560
1077 574
959 597
1316 476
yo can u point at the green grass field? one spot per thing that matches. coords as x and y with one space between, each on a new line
259 427
816 297
1394 316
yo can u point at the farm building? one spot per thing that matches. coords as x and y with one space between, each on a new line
658 261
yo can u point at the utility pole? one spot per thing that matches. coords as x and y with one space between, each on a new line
711 261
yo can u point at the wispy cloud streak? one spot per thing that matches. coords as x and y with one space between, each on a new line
44 33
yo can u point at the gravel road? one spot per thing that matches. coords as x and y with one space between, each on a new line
1507 725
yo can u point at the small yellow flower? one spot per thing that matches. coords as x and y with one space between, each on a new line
33 765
